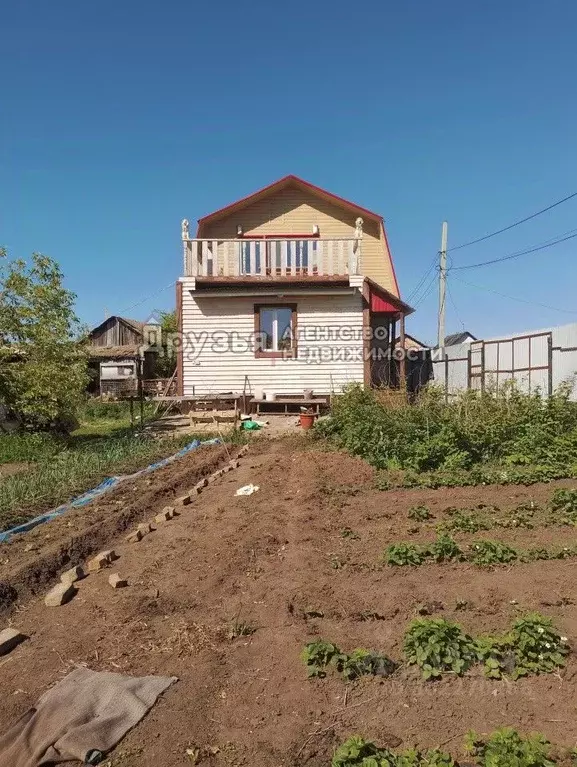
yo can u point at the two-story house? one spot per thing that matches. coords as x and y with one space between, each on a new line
289 289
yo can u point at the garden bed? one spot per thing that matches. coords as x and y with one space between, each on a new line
229 596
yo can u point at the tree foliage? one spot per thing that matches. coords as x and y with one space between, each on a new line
43 367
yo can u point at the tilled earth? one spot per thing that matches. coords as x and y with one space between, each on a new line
282 564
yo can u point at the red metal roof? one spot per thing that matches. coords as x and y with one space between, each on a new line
289 180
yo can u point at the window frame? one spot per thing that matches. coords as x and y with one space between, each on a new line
260 353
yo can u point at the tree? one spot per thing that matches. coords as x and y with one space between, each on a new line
166 363
43 367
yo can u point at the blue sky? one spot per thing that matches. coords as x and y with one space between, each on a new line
118 119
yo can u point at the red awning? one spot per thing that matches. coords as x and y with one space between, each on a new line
379 304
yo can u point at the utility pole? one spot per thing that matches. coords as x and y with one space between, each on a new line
442 285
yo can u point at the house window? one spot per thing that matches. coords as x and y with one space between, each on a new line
275 330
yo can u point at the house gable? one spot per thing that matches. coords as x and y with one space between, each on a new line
292 207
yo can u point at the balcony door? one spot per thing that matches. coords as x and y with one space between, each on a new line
280 253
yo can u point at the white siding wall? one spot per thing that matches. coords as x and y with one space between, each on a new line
218 345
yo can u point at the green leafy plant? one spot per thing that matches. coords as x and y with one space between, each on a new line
506 748
487 553
464 522
563 504
317 656
364 663
438 646
537 645
498 436
444 549
402 554
420 513
532 646
358 752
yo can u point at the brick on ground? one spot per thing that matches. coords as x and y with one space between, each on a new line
117 582
60 594
73 575
134 537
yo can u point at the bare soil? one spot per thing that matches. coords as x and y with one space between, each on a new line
278 562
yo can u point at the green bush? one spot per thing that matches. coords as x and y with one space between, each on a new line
518 431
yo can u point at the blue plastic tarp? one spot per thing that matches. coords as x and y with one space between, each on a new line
103 487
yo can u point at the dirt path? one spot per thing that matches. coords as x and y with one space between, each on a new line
278 562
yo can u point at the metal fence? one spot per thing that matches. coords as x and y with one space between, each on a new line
540 360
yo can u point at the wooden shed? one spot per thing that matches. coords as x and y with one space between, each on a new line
117 347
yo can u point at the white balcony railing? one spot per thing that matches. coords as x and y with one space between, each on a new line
246 257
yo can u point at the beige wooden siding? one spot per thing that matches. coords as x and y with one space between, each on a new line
293 211
218 345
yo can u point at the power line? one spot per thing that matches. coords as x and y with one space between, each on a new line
452 300
543 246
517 223
144 300
426 292
514 298
422 281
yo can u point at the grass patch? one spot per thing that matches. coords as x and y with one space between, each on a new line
65 468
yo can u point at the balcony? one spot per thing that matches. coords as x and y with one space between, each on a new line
245 257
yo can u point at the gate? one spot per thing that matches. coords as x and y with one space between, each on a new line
528 359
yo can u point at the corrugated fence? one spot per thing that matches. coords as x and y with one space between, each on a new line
540 359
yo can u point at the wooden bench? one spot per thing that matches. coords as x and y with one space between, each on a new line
315 404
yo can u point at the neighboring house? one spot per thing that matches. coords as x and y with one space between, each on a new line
289 289
116 349
411 343
459 338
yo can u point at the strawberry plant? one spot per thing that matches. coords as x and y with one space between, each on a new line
358 752
402 554
318 655
564 501
444 549
464 522
364 663
438 646
537 645
420 513
506 747
487 553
